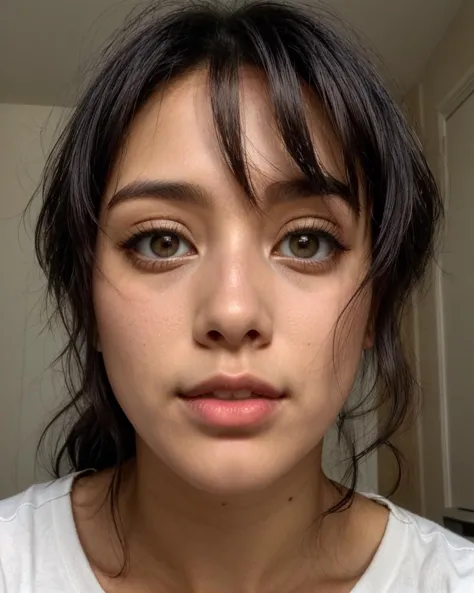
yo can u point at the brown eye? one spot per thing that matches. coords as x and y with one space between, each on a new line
304 245
315 246
162 245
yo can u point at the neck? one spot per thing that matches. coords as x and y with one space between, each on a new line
246 543
180 539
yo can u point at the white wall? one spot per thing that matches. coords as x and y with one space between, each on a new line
28 393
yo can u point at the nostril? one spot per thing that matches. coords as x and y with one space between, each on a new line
253 334
214 335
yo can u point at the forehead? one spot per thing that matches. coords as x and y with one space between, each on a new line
174 136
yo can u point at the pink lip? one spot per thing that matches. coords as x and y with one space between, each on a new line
233 413
234 383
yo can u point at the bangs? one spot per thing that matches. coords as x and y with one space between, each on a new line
262 48
294 49
380 156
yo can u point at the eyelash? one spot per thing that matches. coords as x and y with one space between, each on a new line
144 231
322 229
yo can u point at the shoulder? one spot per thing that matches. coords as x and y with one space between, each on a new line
33 499
430 559
27 532
431 536
444 559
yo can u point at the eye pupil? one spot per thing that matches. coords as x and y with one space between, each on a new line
164 245
304 245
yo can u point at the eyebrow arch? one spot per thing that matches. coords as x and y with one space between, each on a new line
169 190
278 192
291 189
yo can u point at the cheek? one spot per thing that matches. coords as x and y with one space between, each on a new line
140 333
327 339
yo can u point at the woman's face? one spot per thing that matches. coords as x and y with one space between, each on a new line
226 292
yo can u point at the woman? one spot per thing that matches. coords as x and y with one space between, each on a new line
232 222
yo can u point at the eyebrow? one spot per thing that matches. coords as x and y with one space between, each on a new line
290 190
168 190
276 193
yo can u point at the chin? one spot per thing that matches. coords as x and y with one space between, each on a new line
232 468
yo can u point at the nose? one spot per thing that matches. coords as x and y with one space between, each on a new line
234 308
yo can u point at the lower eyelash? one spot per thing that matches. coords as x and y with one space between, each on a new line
313 265
153 265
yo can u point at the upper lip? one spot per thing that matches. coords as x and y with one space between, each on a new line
234 383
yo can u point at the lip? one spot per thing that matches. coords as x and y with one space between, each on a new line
223 382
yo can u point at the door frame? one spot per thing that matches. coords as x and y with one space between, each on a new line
445 109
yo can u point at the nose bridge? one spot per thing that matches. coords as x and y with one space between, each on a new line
234 305
236 273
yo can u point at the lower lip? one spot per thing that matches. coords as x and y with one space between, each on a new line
232 413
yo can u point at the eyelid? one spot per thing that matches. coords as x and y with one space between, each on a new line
315 225
151 227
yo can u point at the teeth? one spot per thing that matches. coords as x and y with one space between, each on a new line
241 394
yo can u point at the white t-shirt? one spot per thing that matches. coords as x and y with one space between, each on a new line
40 550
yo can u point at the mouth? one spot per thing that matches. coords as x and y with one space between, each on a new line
241 394
233 387
233 402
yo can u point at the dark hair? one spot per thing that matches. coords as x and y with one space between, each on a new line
291 46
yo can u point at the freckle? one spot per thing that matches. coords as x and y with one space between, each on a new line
290 499
224 504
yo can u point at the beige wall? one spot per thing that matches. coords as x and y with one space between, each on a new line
451 61
448 66
27 392
408 441
409 495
